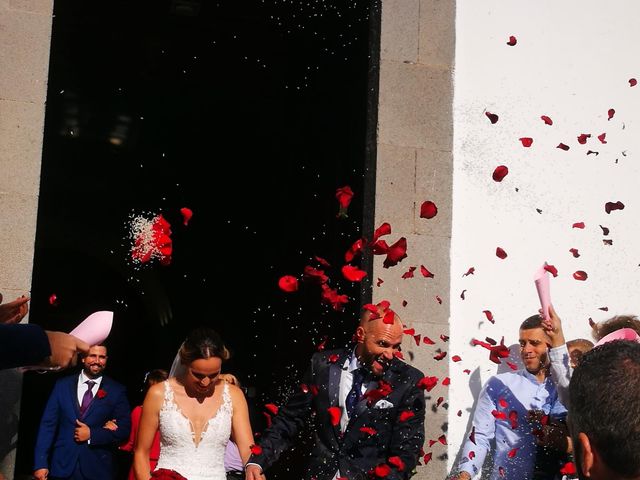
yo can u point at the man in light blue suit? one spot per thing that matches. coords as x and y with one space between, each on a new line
72 442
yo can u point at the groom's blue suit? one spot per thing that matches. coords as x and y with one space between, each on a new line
56 448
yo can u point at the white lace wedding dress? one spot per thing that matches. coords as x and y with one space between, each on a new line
178 448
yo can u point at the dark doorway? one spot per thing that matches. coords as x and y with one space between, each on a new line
251 114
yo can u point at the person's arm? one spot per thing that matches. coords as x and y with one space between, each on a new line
13 312
559 364
121 415
484 428
149 423
22 344
240 426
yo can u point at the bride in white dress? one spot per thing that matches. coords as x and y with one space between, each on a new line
196 413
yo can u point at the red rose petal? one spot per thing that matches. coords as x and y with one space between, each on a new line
469 272
427 383
512 453
187 213
396 462
546 120
610 113
499 173
444 338
551 269
288 283
489 315
397 252
256 449
354 250
344 196
335 413
440 356
472 435
604 309
425 273
462 294
353 274
368 430
493 118
611 206
526 141
500 253
427 341
382 470
53 299
501 471
272 407
503 403
605 230
322 261
633 82
428 209
602 137
438 299
447 381
580 275
472 455
379 282
568 468
389 317
409 331
427 458
442 439
574 252
409 273
578 225
512 366
456 358
562 146
582 138
512 41
406 415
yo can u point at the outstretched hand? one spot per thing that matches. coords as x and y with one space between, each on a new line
13 312
254 472
64 349
553 327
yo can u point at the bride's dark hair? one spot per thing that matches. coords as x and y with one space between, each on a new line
203 342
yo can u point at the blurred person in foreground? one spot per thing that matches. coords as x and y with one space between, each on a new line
604 406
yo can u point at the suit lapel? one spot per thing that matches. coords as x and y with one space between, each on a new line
73 392
335 374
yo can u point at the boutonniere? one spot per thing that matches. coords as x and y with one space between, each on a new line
101 393
383 390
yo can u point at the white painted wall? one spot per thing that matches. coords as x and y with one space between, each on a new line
572 61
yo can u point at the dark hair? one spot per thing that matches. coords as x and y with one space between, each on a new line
202 342
154 376
606 327
604 404
534 321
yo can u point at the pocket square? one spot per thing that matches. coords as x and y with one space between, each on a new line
383 404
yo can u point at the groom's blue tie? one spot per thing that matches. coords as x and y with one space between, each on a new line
355 394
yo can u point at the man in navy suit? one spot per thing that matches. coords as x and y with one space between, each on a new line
72 442
368 404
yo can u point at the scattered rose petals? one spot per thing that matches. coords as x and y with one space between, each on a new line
459 413
493 118
582 138
610 113
187 213
425 273
562 146
633 82
427 458
322 261
472 455
574 252
288 283
578 225
379 282
314 275
512 366
409 331
551 269
499 415
526 141
447 381
151 239
605 230
416 338
368 430
438 299
331 297
607 242
428 209
427 341
593 152
353 274
500 253
580 275
502 402
456 358
489 315
604 309
611 206
512 41
333 358
384 229
512 453
602 137
354 250
272 407
471 271
499 173
444 338
496 352
513 418
442 439
472 435
389 317
335 413
53 299
404 303
546 120
462 294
